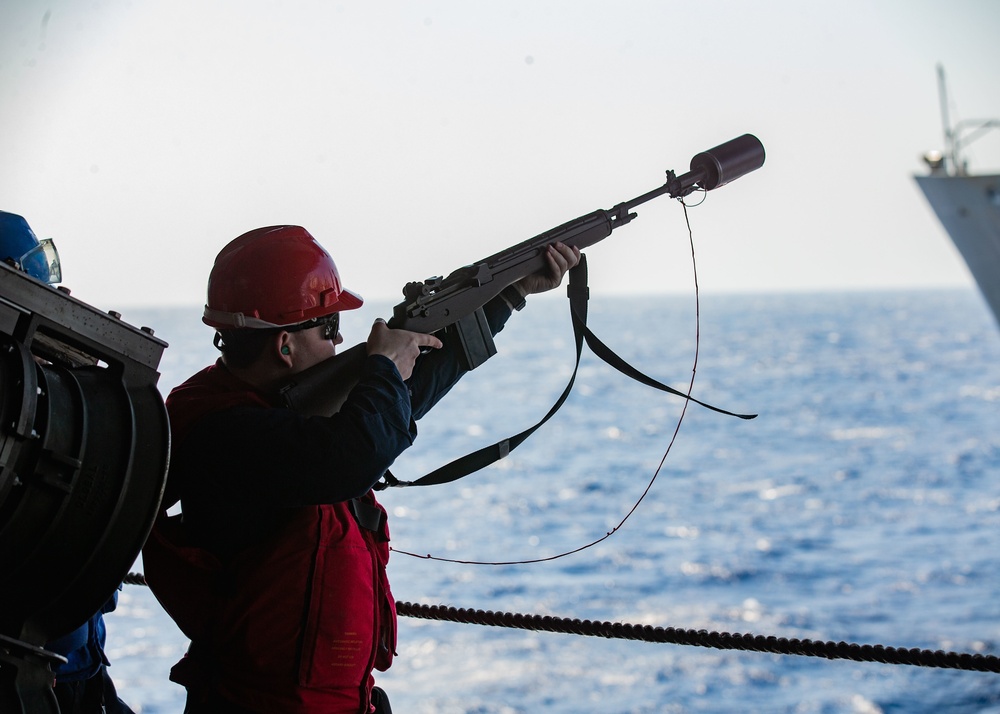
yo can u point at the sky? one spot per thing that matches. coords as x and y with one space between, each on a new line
412 138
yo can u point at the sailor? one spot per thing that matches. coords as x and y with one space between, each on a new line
82 683
276 567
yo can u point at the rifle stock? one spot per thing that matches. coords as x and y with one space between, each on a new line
322 390
455 302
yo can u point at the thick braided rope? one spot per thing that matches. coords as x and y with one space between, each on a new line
704 638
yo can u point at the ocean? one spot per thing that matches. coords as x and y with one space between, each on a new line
861 505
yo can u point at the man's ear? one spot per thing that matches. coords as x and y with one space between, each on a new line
283 344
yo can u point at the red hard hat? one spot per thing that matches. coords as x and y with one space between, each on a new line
274 277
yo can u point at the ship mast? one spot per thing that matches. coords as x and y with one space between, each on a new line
949 138
963 133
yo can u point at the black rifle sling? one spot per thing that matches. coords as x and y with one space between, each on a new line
608 355
480 459
578 293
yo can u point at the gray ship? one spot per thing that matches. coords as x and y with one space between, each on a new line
967 205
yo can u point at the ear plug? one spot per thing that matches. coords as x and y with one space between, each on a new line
285 351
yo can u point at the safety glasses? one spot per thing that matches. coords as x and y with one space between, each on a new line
330 324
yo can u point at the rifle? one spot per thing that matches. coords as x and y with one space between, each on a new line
456 302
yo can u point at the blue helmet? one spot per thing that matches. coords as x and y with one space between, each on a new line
20 248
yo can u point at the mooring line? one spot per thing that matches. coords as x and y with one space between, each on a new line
704 638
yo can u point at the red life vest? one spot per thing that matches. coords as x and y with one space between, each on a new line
293 624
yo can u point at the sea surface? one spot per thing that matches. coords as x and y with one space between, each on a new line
861 505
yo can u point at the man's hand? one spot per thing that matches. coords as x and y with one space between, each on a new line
559 258
401 346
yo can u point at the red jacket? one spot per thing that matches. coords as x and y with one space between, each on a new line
296 621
